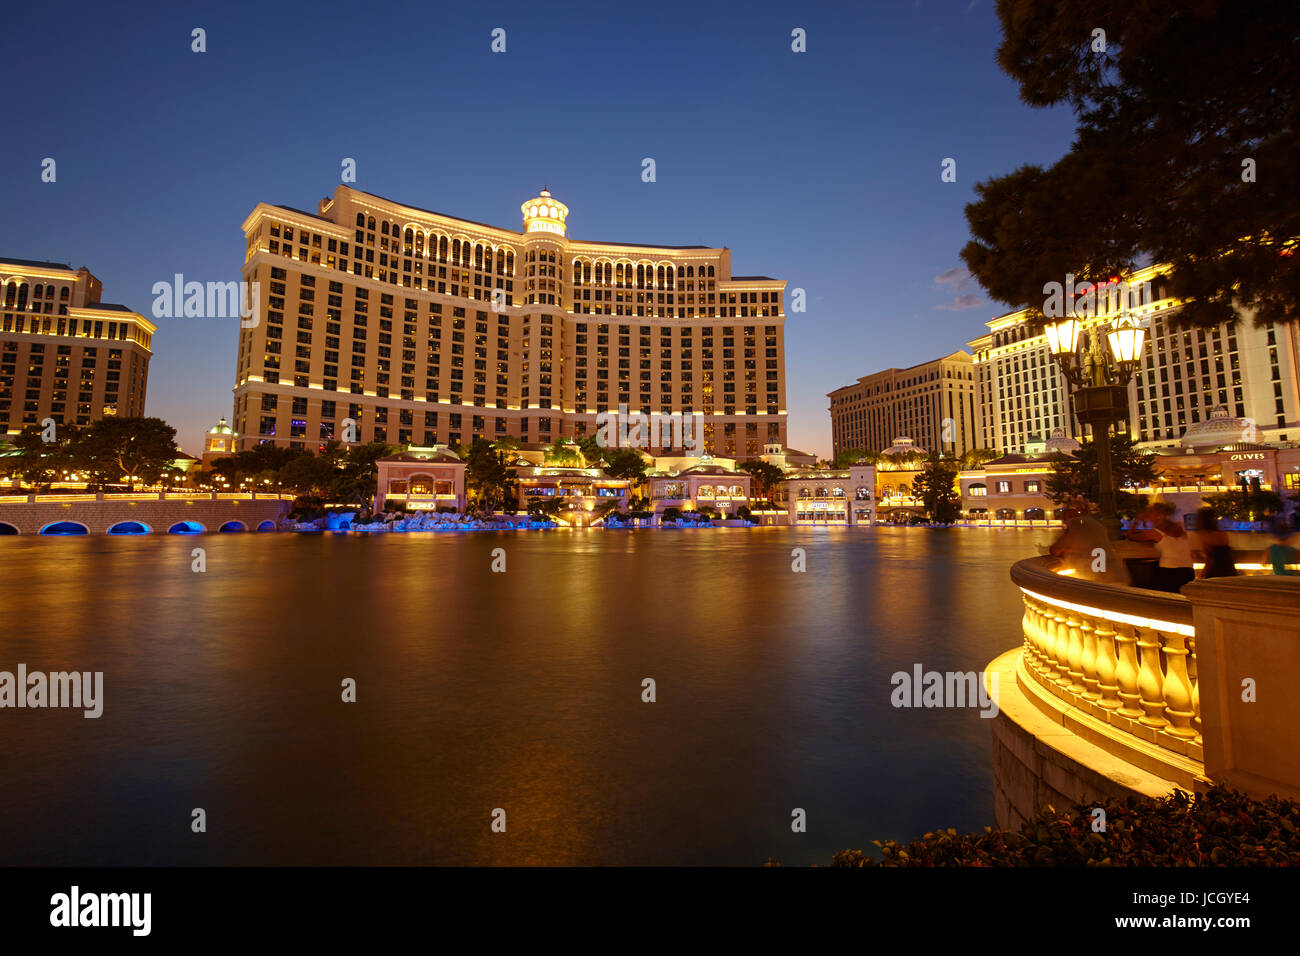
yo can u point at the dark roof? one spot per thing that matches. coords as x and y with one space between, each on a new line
489 225
106 307
303 212
1010 460
709 470
431 212
38 263
752 279
443 457
639 245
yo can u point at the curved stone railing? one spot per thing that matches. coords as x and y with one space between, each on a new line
1116 665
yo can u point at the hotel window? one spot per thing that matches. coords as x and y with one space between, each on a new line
1032 486
1004 487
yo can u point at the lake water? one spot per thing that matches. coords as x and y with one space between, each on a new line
479 690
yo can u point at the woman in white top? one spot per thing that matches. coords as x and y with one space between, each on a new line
1174 545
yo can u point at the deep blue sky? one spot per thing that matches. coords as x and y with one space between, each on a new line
821 168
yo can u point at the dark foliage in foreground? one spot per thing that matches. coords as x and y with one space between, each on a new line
1217 828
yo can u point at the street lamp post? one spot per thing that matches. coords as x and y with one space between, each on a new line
1100 376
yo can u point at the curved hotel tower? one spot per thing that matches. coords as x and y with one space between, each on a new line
421 328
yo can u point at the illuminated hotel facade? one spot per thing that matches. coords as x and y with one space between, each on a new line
933 403
385 322
64 354
1184 375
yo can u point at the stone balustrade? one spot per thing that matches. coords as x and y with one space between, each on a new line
1104 697
1125 657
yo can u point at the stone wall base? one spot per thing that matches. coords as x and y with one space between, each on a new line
1037 762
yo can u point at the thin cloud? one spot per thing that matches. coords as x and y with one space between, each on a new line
960 303
956 278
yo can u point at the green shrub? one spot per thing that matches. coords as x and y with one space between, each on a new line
1217 828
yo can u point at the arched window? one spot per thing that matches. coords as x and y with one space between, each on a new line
370 223
361 219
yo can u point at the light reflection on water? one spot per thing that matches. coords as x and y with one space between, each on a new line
478 690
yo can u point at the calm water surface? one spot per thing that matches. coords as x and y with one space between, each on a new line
478 690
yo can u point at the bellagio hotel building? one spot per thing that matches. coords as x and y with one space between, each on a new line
422 328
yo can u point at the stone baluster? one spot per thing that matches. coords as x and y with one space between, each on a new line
1037 635
1126 670
1048 642
1074 655
1193 674
1151 680
1107 687
1178 687
1089 660
1060 649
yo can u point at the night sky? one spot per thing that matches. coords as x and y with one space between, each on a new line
821 168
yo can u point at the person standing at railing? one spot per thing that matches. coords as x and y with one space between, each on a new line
1173 545
1085 548
1280 553
1213 547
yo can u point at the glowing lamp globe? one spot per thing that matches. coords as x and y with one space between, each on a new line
1126 340
1063 336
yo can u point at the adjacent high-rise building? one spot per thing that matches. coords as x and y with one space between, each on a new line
1185 374
933 403
64 354
380 321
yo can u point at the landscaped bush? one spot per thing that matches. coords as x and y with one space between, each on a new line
307 508
1217 828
